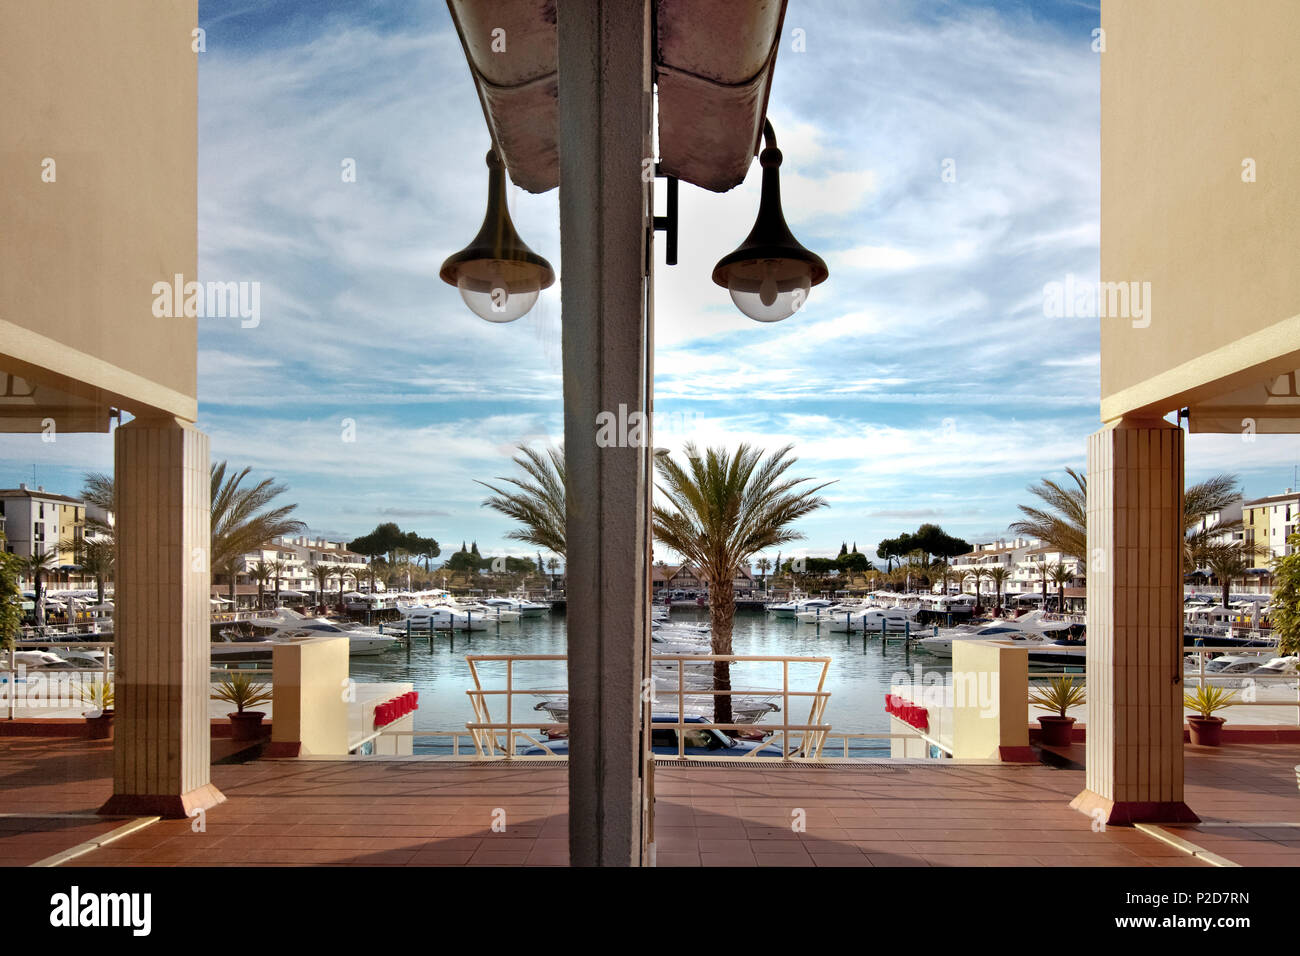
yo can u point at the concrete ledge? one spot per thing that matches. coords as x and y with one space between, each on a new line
81 849
1191 849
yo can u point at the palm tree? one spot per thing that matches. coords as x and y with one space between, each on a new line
261 573
322 573
764 565
943 571
278 569
976 572
38 564
721 509
1063 523
1061 576
551 565
998 574
1043 575
1227 563
96 557
537 501
242 519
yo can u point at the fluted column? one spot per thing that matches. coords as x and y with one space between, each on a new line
1135 624
161 620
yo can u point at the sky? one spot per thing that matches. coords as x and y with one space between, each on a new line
922 377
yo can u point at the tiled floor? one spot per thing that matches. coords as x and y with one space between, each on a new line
424 813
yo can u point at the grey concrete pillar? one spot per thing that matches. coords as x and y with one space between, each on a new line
604 80
161 750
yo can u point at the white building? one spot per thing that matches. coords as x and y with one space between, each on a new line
36 520
298 558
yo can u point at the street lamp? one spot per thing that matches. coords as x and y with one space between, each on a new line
770 275
498 276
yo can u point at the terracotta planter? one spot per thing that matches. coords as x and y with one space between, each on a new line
1206 731
100 727
1056 731
246 726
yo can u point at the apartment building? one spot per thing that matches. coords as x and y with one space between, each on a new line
1268 523
298 558
36 520
987 556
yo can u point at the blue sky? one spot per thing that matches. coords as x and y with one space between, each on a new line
922 375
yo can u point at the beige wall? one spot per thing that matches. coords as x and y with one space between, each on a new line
310 709
990 700
108 90
1189 89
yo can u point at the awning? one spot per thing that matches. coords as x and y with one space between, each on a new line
713 64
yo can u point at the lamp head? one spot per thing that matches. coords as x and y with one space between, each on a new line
769 276
497 275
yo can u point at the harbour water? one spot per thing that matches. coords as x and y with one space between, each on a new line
859 676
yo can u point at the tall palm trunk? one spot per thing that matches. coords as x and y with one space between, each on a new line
722 618
99 588
39 607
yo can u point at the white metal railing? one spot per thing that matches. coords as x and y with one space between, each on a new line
103 671
494 737
1200 677
11 676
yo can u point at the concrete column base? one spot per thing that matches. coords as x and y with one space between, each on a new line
282 749
167 805
1129 812
1017 755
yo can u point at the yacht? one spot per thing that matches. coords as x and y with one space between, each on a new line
286 625
1237 670
523 607
895 620
793 607
1030 629
443 617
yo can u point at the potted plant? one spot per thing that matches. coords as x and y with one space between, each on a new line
1059 695
98 695
239 689
1206 729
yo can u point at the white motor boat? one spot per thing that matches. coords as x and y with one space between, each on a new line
38 660
1239 670
443 617
287 625
793 608
894 620
521 606
1030 629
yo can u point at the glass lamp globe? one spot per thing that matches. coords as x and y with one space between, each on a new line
497 275
498 291
769 290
